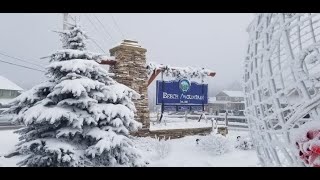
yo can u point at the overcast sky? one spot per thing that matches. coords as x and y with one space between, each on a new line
214 41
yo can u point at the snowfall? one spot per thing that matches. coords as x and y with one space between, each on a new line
210 151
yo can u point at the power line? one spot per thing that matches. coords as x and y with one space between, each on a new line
97 45
118 27
94 26
103 27
20 59
74 19
21 66
88 18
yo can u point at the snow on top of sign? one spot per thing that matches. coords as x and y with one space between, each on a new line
8 85
234 93
188 72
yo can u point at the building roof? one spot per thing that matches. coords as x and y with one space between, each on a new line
234 93
8 85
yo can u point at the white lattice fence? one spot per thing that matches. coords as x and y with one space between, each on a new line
281 82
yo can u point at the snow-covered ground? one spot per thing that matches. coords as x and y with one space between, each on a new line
185 152
176 152
8 140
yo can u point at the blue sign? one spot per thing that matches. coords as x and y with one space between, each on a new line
181 92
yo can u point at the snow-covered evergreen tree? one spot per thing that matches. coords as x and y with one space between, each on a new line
80 116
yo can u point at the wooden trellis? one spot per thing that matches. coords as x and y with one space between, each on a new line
281 82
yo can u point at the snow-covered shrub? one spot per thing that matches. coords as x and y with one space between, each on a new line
80 116
244 143
162 148
215 144
153 148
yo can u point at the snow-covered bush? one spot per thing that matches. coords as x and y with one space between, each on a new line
244 143
152 148
80 116
215 144
162 147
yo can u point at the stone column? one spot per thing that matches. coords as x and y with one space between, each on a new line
130 70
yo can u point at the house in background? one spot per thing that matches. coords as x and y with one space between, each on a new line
231 101
8 91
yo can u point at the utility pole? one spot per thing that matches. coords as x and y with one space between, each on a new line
65 20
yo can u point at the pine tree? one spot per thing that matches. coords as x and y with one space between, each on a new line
80 116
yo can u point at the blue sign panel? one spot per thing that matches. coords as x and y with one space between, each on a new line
181 92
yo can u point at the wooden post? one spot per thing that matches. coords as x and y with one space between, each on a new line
157 116
226 119
186 116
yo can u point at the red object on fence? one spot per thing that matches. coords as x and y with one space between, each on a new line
310 148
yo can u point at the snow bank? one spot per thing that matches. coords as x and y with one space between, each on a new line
153 148
8 140
172 153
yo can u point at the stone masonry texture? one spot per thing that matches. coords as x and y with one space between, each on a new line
130 70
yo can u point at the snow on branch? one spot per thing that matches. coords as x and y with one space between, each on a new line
179 72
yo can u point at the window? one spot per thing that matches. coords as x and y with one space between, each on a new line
13 93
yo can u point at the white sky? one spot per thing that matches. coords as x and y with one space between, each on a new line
213 41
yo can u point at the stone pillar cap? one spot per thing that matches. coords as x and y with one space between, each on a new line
127 44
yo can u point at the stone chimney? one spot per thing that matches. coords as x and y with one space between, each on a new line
130 70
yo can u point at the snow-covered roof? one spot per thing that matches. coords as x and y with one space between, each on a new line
234 93
8 85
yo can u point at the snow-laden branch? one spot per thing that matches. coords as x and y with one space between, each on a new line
179 72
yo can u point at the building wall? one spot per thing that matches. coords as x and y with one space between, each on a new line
227 98
226 103
8 94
